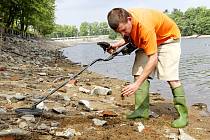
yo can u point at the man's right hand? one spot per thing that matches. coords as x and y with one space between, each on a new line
111 50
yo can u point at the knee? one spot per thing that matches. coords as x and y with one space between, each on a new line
175 83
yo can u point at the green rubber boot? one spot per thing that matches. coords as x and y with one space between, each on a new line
181 107
141 102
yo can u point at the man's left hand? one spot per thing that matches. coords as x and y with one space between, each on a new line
130 89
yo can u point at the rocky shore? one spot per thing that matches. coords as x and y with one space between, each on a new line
87 108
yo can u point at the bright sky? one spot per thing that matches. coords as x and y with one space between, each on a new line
74 12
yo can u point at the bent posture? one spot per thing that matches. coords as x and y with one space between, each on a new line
158 39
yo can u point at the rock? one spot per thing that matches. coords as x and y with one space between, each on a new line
16 131
19 96
2 110
153 114
8 106
40 80
63 89
42 106
23 125
173 136
54 124
98 122
66 98
108 114
140 126
42 74
45 137
98 90
67 133
43 127
184 136
73 82
60 110
200 106
85 104
83 90
29 118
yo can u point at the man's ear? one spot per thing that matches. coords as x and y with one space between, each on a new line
129 18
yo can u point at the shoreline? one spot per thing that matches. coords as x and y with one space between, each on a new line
195 36
73 42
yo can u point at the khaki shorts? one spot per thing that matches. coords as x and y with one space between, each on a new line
168 61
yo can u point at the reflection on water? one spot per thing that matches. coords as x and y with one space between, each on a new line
194 67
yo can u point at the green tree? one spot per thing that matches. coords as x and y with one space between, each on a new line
112 34
84 29
104 28
22 14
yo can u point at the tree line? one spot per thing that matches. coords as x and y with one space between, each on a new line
192 21
85 29
38 16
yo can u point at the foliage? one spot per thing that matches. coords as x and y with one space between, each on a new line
193 21
85 29
113 35
38 16
27 15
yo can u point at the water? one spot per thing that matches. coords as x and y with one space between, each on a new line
194 68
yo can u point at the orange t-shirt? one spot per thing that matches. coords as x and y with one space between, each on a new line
150 28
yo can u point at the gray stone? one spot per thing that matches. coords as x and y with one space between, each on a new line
173 136
19 96
200 106
29 118
42 74
55 124
98 90
66 98
16 131
98 122
140 126
184 136
153 114
42 106
45 137
67 133
59 110
23 125
85 104
43 127
2 110
84 90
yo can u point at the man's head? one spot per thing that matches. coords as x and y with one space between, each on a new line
120 21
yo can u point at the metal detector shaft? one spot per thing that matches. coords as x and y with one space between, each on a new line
65 82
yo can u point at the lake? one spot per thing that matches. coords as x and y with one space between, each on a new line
194 68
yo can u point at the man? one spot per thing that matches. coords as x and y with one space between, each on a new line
158 39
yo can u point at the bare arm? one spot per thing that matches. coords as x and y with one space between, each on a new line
116 45
150 66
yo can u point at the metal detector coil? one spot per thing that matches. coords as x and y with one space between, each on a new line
29 111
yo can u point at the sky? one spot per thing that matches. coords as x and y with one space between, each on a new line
74 12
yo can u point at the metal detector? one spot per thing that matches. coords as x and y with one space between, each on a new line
36 111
